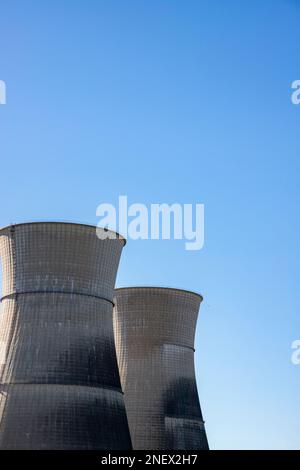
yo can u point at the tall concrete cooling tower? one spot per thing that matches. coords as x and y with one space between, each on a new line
59 380
154 333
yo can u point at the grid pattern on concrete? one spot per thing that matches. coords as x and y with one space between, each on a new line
154 333
58 257
59 379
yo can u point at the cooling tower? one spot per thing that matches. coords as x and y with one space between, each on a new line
59 380
154 333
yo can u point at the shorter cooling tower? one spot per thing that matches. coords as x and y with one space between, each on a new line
154 333
59 379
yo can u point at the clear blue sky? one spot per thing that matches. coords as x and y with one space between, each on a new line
174 101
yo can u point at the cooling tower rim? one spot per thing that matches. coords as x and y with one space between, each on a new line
160 288
59 222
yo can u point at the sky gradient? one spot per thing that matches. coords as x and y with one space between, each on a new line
171 101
